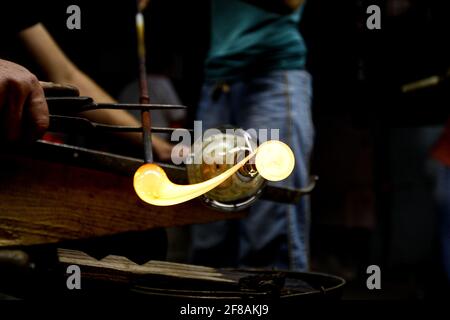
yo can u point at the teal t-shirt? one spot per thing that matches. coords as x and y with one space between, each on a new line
247 40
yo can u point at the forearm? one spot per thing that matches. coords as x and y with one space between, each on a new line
60 69
89 88
57 66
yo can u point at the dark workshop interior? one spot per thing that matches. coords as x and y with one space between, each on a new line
377 192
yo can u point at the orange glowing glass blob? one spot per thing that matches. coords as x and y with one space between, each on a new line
274 161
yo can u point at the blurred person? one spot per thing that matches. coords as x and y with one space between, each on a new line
23 109
255 77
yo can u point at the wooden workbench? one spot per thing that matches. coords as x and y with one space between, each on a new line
52 193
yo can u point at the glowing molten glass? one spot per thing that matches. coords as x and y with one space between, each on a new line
274 161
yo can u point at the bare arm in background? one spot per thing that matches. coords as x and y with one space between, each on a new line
277 6
60 69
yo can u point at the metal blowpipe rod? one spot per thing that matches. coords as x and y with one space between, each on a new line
143 87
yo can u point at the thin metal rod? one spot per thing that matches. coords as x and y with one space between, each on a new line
81 104
69 124
143 86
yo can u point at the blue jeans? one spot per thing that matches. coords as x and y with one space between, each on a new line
443 204
273 235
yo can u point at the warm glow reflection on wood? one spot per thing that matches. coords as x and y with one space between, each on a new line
274 161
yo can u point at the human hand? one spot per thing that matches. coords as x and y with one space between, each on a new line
23 108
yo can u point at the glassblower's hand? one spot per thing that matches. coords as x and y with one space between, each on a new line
23 108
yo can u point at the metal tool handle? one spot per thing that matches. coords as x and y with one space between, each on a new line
74 105
69 105
78 125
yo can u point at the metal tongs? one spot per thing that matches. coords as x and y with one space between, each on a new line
65 104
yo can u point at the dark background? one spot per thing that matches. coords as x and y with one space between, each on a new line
374 201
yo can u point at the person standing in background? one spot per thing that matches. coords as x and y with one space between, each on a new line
255 77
